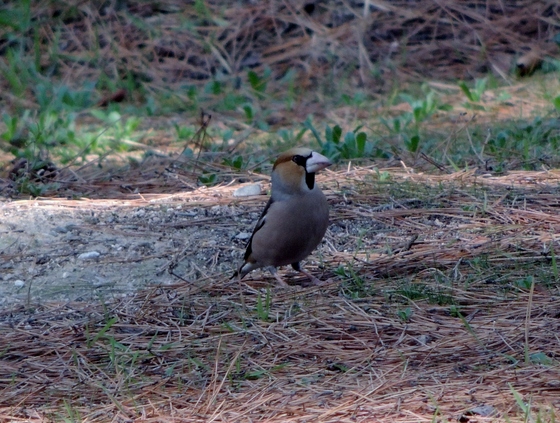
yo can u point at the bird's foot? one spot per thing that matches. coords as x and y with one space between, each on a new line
313 279
281 281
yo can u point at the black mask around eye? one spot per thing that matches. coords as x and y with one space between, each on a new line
300 160
309 177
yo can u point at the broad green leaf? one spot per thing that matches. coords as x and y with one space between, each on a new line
466 90
337 132
328 134
556 103
307 124
350 139
361 139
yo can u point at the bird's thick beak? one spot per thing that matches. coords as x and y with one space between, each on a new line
316 162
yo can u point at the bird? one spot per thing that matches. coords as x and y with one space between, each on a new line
295 218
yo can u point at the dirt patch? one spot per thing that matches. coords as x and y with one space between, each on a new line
88 252
67 250
99 250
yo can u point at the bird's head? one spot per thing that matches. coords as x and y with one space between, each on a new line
295 169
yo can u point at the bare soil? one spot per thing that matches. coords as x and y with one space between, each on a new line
91 250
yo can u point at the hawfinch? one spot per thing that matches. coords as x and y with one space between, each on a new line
295 218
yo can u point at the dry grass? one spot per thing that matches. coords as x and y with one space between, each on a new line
164 45
426 327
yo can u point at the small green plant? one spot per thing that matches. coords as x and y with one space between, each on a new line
214 87
524 406
243 374
18 17
556 103
17 71
474 95
524 283
290 138
356 100
411 142
338 367
263 307
405 314
208 179
423 108
553 262
249 112
117 354
383 176
408 125
236 162
480 263
527 140
456 312
13 132
32 178
118 130
353 145
184 132
354 286
412 291
92 340
541 358
258 83
396 125
56 98
72 414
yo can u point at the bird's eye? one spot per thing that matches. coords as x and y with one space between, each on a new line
299 160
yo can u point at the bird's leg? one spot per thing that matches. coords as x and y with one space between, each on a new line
274 272
312 278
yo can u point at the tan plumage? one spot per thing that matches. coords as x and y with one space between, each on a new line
295 218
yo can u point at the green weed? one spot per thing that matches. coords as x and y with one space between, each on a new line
353 286
405 314
474 95
258 83
207 178
556 103
91 340
117 130
408 125
72 414
456 312
18 17
531 142
184 133
263 306
415 291
525 407
353 145
236 162
553 262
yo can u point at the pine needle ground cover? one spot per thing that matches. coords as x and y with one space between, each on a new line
121 225
440 302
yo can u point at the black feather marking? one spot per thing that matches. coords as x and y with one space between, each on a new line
260 224
300 160
309 180
296 266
